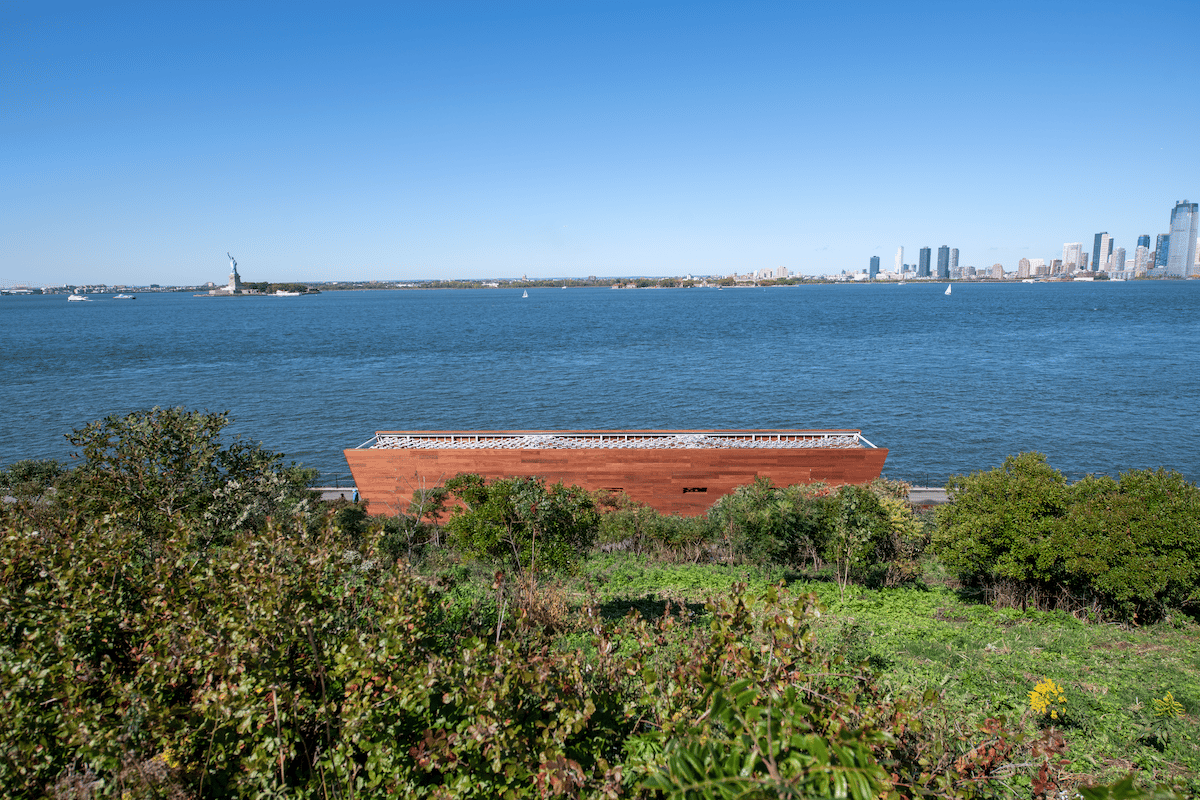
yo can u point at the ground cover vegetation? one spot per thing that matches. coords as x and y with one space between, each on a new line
180 617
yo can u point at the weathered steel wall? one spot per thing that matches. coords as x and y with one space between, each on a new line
672 481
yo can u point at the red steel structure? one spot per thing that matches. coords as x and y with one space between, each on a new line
673 471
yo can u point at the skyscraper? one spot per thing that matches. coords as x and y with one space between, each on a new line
1101 250
874 267
1162 246
1144 241
923 268
900 261
1141 257
953 260
1072 251
1185 220
1118 261
943 272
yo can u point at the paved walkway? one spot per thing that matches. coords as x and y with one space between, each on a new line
927 496
334 492
917 495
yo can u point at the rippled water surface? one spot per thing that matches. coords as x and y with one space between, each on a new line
1101 377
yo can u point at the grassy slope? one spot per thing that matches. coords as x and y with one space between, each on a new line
983 660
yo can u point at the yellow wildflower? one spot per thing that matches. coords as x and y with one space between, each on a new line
1168 707
1045 696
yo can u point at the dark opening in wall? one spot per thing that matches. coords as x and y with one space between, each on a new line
688 489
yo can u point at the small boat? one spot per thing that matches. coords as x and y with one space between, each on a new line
78 298
947 288
124 297
524 294
282 293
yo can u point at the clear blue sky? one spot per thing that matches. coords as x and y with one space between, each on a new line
141 141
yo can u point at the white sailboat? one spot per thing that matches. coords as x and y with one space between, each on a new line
524 294
947 288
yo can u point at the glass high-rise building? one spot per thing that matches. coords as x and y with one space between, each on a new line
1073 256
1101 250
953 260
1162 246
1185 220
1144 241
1141 258
874 267
943 272
923 267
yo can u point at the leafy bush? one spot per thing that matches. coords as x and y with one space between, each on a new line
522 522
628 526
868 532
764 524
293 662
30 477
295 659
1132 545
998 522
160 469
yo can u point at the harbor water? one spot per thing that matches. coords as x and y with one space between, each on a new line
1100 377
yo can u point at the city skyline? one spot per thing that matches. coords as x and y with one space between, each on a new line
405 141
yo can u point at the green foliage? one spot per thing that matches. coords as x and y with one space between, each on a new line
294 657
1126 790
1132 545
407 535
161 469
869 533
766 747
764 524
1135 544
627 526
860 541
30 477
768 722
522 522
267 287
998 522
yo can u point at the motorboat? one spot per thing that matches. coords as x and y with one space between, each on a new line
124 297
79 298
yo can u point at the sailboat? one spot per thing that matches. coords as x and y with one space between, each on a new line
524 294
947 288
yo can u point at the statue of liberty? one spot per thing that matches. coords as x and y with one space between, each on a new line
235 280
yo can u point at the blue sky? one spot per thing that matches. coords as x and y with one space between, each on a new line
401 140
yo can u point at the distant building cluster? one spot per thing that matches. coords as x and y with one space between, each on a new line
1176 254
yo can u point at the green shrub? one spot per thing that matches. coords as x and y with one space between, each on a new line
30 477
868 532
999 522
1134 544
522 522
860 545
764 524
162 469
293 658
